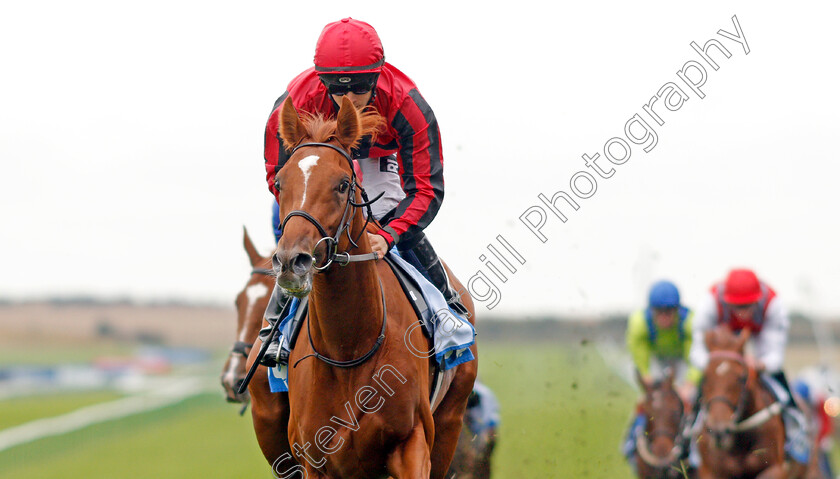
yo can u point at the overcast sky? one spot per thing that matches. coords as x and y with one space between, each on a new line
131 144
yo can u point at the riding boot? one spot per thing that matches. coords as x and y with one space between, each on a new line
436 273
274 312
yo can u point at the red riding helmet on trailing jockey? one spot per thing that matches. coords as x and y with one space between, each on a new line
741 287
349 46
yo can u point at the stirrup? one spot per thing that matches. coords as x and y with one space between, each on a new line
275 355
458 307
453 300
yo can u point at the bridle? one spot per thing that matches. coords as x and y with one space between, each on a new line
737 409
241 347
341 258
331 242
676 452
755 420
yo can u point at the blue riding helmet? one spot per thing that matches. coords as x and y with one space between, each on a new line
663 294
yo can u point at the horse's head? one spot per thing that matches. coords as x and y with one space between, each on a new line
250 308
660 446
317 192
725 380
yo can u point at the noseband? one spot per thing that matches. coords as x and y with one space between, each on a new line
644 440
341 258
737 409
331 242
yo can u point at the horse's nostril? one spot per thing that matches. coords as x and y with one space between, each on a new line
302 263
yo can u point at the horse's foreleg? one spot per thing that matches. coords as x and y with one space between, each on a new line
270 415
449 418
487 442
410 459
271 419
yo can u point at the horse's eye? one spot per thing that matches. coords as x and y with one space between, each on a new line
342 187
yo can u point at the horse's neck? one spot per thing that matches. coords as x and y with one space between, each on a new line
346 309
758 397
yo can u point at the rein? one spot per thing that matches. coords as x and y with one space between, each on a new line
353 362
651 459
755 420
342 258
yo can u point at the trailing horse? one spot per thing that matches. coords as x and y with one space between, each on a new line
660 447
742 435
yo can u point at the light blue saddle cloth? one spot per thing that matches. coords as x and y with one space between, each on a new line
453 335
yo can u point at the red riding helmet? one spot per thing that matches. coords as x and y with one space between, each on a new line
349 46
741 287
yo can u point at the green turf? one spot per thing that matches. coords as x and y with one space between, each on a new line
563 416
563 412
23 409
199 437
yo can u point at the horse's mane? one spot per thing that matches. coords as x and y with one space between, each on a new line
320 128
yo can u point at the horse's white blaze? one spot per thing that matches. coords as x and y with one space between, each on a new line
305 166
722 368
230 374
254 293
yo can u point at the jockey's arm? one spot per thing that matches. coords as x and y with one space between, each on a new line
689 336
638 342
769 345
693 375
421 168
705 320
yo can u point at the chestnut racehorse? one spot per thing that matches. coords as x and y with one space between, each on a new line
743 435
660 448
472 456
250 307
359 398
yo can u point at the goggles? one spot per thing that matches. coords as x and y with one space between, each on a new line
341 84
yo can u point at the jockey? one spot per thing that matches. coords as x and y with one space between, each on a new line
659 336
744 302
350 61
659 339
482 413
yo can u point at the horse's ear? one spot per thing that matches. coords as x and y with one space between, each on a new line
291 128
253 256
348 123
